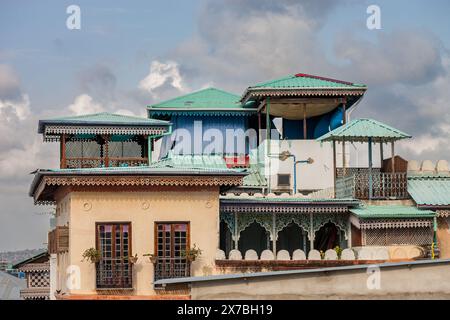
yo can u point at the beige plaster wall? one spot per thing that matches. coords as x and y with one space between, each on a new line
199 206
443 237
405 282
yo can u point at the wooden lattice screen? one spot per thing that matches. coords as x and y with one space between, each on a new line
398 236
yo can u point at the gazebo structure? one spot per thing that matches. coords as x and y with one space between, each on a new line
104 139
367 184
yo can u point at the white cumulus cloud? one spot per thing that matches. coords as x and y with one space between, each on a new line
84 104
162 74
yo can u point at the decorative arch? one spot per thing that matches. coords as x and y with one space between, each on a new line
265 220
283 220
340 221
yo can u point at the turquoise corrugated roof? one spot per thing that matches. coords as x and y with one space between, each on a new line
254 178
361 129
392 211
287 199
103 118
208 99
193 162
302 80
175 163
432 191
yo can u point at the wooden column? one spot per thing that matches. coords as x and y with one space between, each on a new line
393 157
305 129
63 163
370 169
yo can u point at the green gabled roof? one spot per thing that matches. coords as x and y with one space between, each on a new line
391 212
302 80
362 129
102 119
430 191
210 99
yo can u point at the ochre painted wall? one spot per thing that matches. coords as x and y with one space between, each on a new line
443 237
199 206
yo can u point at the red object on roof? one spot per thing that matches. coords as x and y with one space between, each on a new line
237 161
322 78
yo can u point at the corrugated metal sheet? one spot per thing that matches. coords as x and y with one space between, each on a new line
434 191
362 129
102 119
108 118
391 212
210 98
306 81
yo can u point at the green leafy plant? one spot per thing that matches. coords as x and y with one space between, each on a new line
92 255
191 254
338 251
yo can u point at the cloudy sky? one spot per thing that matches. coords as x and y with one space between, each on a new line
126 56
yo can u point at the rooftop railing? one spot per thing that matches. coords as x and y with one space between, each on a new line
384 185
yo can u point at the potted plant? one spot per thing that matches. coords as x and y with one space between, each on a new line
191 254
338 250
153 257
133 259
92 255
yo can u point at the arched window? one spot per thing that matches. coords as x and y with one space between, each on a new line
254 237
291 238
328 237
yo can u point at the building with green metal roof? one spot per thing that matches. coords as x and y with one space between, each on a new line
209 101
430 191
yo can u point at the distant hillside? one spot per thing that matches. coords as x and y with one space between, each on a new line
16 256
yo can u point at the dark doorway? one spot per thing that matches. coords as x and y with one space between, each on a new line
254 237
292 238
327 237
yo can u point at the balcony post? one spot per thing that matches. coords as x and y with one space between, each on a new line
370 169
106 150
149 149
393 157
63 163
381 154
344 169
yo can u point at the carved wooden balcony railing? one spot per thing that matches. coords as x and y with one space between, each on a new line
73 163
58 240
385 185
114 273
